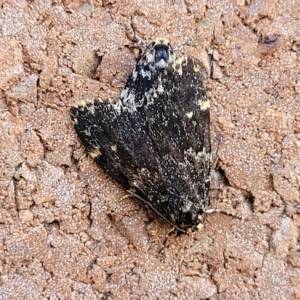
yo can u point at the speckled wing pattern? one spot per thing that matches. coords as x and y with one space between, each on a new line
155 140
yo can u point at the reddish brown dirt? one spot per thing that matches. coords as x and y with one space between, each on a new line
67 232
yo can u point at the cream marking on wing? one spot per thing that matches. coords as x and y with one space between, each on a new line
95 152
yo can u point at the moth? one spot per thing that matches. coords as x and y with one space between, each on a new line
155 139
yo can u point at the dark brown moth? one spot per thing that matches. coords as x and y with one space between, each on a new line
155 140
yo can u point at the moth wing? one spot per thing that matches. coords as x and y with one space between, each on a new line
181 130
113 140
158 145
178 118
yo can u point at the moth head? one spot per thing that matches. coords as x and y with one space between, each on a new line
159 54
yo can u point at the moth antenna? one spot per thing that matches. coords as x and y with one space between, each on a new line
178 47
218 211
141 43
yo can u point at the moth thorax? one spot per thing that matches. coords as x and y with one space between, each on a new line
163 55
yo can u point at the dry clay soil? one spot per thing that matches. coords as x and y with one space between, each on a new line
66 229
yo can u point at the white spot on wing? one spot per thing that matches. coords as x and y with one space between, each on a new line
127 101
95 152
187 206
204 105
199 156
134 75
189 114
160 88
145 74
